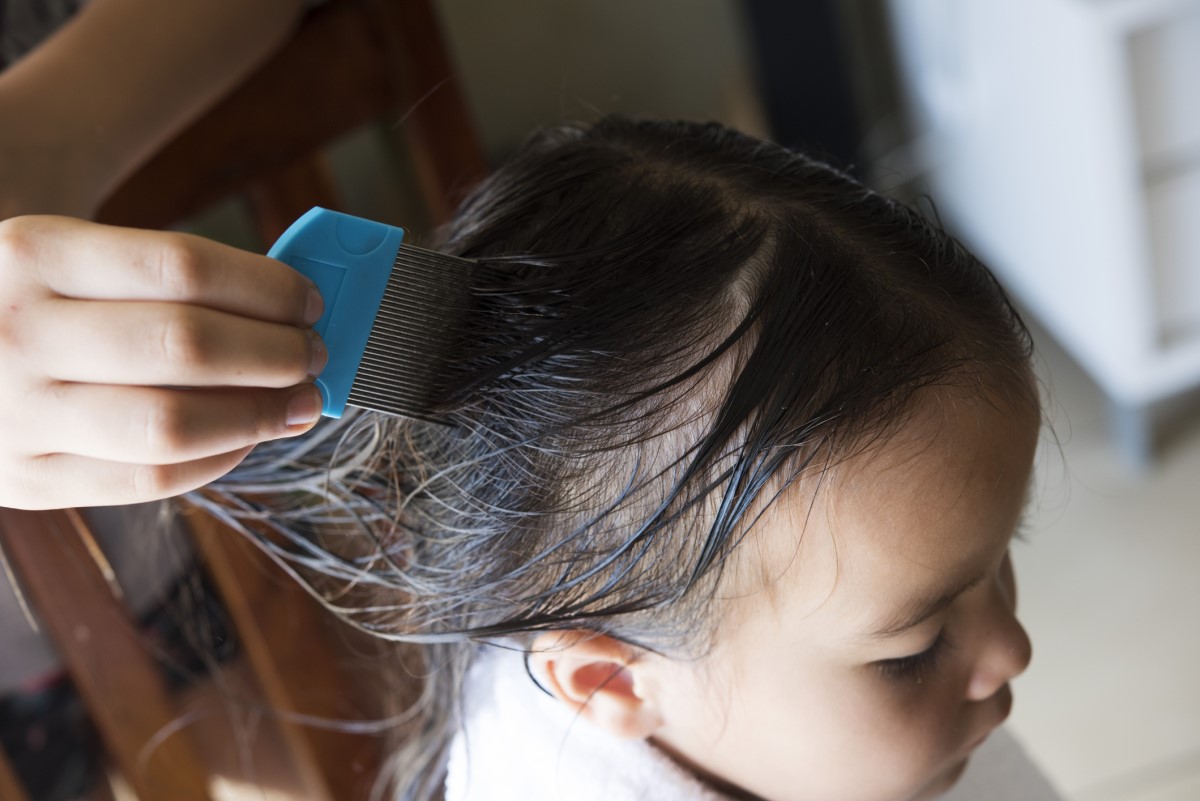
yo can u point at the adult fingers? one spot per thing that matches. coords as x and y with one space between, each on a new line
78 259
62 480
155 426
165 344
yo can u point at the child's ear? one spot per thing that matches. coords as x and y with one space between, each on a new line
599 677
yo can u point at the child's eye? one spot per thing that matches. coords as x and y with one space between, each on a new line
916 667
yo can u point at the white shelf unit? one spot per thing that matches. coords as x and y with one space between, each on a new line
1062 140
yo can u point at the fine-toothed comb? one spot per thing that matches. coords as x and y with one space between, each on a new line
390 310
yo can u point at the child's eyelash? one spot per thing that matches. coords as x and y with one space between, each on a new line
916 667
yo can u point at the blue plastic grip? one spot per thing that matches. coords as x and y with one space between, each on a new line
350 260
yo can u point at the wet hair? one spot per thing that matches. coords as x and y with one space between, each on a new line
672 322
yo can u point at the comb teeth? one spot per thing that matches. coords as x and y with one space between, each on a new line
426 296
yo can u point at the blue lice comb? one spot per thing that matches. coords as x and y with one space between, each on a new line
390 310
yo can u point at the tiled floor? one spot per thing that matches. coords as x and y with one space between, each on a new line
1110 593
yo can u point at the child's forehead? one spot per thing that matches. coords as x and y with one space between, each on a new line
901 518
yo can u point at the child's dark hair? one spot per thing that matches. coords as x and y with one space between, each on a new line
674 322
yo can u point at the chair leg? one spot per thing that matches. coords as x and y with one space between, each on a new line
437 122
119 683
278 198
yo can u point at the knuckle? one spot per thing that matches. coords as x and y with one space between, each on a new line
25 337
269 417
179 269
16 242
299 362
10 340
182 340
164 428
250 421
151 481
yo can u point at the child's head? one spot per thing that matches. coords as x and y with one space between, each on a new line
738 449
867 633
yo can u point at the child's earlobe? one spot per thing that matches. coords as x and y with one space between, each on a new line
598 677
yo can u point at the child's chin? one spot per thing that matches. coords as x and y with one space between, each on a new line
943 781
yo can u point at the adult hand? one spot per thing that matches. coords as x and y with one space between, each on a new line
136 365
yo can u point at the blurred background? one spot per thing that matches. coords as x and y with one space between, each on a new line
1061 140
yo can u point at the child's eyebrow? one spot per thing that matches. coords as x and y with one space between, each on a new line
920 609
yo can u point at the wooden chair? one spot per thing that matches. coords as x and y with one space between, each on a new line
352 62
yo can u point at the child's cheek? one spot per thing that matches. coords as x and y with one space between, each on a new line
930 718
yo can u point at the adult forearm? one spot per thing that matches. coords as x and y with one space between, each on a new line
113 85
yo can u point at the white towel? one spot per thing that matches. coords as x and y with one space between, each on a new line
519 744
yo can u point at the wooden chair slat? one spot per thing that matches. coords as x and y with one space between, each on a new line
120 685
350 63
11 788
324 83
296 648
437 122
280 197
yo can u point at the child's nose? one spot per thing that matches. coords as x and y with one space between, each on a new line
1004 654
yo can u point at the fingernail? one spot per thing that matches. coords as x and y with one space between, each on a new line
317 355
304 406
314 306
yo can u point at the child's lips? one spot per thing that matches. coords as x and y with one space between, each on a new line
1005 707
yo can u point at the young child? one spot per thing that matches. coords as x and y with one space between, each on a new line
738 450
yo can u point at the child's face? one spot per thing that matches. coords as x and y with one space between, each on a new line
806 697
